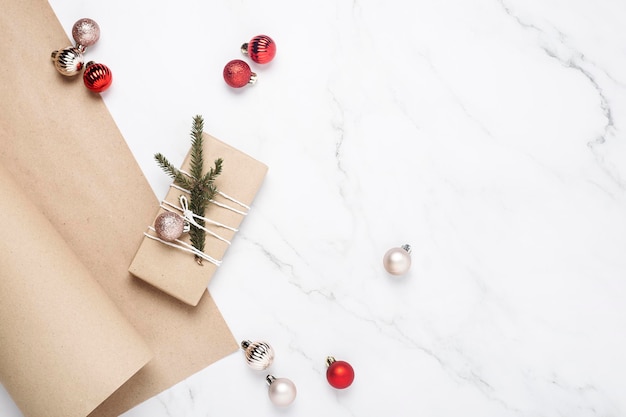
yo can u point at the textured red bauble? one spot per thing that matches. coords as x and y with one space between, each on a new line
261 49
97 77
237 74
339 374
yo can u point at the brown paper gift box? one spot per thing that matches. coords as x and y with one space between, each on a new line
174 271
61 146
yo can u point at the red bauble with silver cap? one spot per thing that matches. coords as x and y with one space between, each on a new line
339 374
237 74
261 49
97 77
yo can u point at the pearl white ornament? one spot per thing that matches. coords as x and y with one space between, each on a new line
259 355
397 261
282 391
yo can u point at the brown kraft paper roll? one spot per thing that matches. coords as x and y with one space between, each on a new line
64 345
60 144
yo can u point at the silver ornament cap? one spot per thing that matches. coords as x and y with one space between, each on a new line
68 61
259 355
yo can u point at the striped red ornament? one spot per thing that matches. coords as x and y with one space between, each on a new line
261 49
97 77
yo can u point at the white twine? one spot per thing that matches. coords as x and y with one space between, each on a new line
191 217
243 213
184 247
226 196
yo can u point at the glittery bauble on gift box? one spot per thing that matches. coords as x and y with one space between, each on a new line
169 226
261 49
97 77
68 61
237 74
85 32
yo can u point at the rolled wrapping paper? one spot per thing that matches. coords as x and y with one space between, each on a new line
64 345
61 145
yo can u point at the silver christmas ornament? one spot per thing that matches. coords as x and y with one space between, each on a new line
85 32
282 391
68 61
259 355
397 261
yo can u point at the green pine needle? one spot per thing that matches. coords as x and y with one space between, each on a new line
179 178
197 157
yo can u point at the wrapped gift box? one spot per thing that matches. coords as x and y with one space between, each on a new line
175 271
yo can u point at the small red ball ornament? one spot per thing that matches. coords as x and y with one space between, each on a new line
339 374
261 49
97 77
237 74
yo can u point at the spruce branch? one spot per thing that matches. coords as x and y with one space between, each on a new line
214 172
201 186
202 193
179 178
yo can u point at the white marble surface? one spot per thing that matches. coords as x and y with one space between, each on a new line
488 134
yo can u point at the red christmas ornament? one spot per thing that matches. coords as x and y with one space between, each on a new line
261 49
97 77
339 374
237 74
